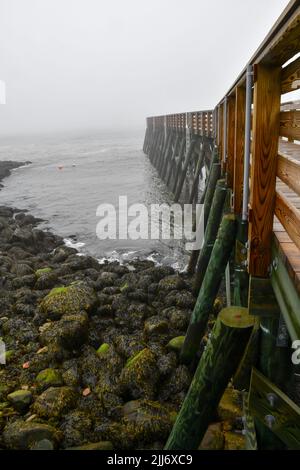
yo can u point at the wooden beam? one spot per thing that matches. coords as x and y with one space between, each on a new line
290 124
288 170
286 294
279 413
285 44
220 130
267 92
289 216
230 140
239 141
290 78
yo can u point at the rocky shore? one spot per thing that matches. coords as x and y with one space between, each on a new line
91 349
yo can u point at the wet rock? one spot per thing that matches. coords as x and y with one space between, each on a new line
140 375
176 344
44 444
143 421
21 269
166 364
20 400
19 435
46 280
129 345
175 387
178 318
71 376
24 281
42 271
76 427
155 326
22 236
183 299
55 402
234 441
68 300
90 367
70 332
107 279
49 378
213 438
101 445
171 283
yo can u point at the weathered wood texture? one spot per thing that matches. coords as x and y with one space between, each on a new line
217 365
289 216
239 148
281 414
267 91
219 258
231 117
288 170
291 77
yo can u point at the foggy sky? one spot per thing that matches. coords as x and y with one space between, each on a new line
86 64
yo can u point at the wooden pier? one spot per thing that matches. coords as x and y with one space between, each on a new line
249 145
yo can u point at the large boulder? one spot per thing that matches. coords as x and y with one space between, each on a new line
68 300
19 435
55 402
140 375
70 332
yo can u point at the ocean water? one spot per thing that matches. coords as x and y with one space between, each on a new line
72 174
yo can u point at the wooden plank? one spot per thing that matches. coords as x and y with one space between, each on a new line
220 130
239 141
281 414
290 78
288 170
267 92
230 140
289 216
286 44
290 124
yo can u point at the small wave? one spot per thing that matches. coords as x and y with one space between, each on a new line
71 244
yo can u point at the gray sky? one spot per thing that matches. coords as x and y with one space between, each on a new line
79 64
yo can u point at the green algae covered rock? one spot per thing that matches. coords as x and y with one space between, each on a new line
103 349
55 402
176 344
49 378
143 421
102 445
140 375
70 332
42 271
68 300
20 399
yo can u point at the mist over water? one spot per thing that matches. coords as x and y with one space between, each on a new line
72 174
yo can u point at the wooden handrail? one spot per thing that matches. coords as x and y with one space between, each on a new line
288 216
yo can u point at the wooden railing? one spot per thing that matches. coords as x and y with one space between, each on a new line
200 122
276 71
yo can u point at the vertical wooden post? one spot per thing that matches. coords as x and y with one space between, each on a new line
220 130
239 147
230 140
266 119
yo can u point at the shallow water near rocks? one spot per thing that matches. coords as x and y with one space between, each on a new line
72 174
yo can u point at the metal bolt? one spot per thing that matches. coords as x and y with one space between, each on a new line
272 398
270 421
275 264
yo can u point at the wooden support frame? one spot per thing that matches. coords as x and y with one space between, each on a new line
266 114
286 294
275 409
239 148
231 117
